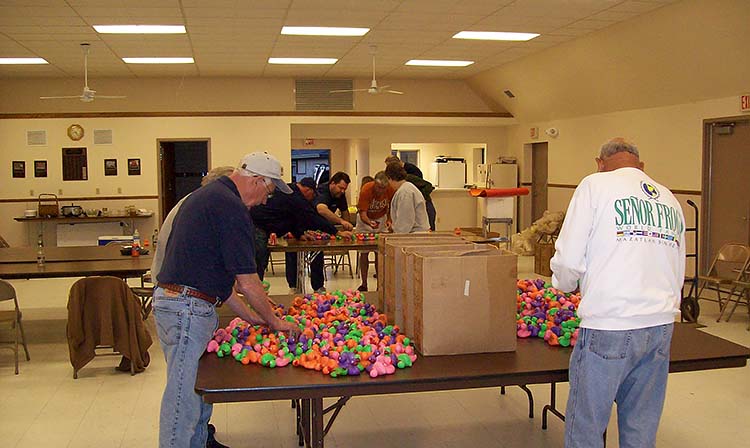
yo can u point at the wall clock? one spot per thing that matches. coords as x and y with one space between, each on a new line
75 132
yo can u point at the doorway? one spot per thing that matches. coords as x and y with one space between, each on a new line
315 163
726 185
182 165
538 180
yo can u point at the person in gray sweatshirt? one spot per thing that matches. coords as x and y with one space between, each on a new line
408 211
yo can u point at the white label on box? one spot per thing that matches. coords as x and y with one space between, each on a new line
466 288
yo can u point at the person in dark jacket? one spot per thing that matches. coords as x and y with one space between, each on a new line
293 213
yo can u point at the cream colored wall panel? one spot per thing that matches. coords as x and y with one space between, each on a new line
670 140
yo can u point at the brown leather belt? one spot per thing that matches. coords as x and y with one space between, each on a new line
192 292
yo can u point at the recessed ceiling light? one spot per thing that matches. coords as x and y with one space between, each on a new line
22 61
438 63
323 31
158 60
140 29
313 61
494 35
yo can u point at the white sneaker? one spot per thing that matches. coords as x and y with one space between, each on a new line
321 290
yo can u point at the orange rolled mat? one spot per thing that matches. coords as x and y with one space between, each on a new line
498 192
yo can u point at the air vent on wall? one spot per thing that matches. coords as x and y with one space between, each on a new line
314 94
36 138
102 136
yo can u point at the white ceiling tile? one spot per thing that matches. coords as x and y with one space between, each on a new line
123 3
346 5
483 7
420 6
235 37
429 21
213 12
613 15
590 24
332 17
638 7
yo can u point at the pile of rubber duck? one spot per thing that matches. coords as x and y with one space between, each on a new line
319 235
340 335
547 313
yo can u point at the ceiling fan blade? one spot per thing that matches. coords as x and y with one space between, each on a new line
348 90
110 97
395 91
69 97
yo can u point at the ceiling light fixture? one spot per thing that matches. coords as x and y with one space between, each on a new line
22 61
438 63
158 60
495 35
303 61
140 29
323 31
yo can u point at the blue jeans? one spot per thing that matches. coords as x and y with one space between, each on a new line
628 367
184 325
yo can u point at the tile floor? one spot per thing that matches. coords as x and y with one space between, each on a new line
44 406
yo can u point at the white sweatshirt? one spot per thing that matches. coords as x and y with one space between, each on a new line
408 211
623 239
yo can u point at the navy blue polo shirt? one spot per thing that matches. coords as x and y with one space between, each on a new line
325 197
211 241
284 213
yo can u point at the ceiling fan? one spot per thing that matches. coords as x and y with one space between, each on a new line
374 89
88 95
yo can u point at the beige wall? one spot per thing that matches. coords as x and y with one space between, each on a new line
670 140
428 152
382 137
231 137
692 50
222 94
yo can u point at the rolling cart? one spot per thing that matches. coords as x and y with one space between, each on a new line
689 307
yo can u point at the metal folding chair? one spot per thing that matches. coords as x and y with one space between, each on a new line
13 317
727 268
742 289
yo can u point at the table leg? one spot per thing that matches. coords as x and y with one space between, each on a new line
301 270
552 406
298 421
317 423
531 399
305 423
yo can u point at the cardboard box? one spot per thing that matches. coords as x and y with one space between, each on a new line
394 267
465 302
382 239
405 319
403 280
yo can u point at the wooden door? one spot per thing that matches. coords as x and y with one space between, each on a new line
538 180
729 190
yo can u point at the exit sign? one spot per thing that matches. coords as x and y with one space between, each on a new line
745 103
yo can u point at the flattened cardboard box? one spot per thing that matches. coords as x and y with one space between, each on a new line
406 320
394 267
383 238
465 302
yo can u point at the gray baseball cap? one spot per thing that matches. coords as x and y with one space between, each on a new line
264 164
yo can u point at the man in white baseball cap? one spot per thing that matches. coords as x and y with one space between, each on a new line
209 258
